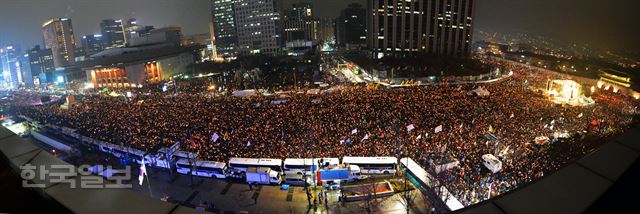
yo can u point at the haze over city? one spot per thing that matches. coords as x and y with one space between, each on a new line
608 24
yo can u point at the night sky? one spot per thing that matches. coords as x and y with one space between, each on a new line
610 23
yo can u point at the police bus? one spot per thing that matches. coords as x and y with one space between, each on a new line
308 165
373 165
202 168
239 165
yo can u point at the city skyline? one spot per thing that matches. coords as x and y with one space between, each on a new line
607 25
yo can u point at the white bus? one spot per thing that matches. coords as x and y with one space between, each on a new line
137 155
105 147
310 165
202 168
161 158
240 165
373 165
119 151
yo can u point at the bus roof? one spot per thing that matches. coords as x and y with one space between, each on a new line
256 161
371 160
213 164
309 161
300 161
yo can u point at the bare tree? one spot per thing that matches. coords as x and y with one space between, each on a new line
438 195
407 195
370 199
407 199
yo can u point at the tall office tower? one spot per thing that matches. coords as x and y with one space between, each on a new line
259 26
130 28
25 71
300 30
42 68
113 33
224 28
15 66
92 44
59 37
10 67
405 27
299 24
301 11
351 27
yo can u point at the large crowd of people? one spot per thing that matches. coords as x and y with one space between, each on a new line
359 121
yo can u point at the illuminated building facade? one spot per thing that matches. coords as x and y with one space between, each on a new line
113 33
299 24
41 62
611 78
404 27
59 37
130 67
112 77
131 29
301 11
258 26
92 44
306 30
11 72
224 37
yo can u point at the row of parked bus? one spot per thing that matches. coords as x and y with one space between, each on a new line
187 163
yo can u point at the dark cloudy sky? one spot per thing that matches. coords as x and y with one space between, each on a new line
606 22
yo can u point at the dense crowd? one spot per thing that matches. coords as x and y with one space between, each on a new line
357 121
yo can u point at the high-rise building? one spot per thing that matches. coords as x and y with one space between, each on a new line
301 11
130 28
15 68
401 28
300 30
259 26
224 28
41 63
299 24
351 27
113 33
59 37
92 44
11 72
25 71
